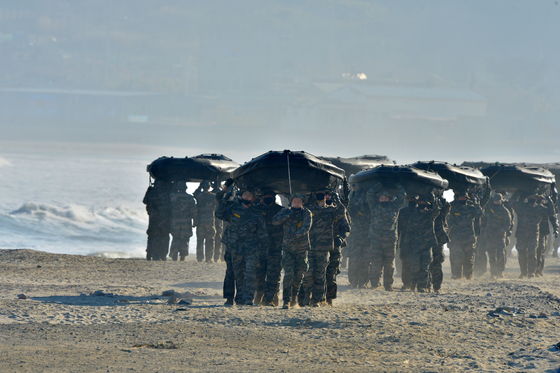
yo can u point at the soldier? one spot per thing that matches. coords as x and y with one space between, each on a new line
442 237
419 239
544 233
360 215
296 222
321 238
158 206
529 215
205 228
229 289
405 255
183 211
383 233
248 239
462 236
270 269
341 230
498 222
219 225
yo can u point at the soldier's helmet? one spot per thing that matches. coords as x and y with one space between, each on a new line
498 197
205 184
267 192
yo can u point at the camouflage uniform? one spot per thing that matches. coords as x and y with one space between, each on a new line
360 215
383 234
404 254
462 238
295 245
205 228
498 222
183 211
529 217
321 238
229 289
269 272
248 240
158 206
341 231
438 257
418 241
218 247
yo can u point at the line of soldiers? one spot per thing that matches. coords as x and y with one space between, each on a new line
474 230
262 238
173 211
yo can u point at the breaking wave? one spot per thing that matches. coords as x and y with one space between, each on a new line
75 229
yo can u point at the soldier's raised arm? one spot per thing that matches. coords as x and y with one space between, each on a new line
281 217
306 224
371 195
222 209
401 196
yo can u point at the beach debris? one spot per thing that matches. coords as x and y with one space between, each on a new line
555 313
488 294
181 298
502 311
39 266
98 293
168 293
22 296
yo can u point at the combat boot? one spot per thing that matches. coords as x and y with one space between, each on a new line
286 305
275 300
229 302
329 302
174 254
306 300
182 258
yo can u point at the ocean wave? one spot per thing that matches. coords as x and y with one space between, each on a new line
75 229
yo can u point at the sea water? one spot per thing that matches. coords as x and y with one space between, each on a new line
75 199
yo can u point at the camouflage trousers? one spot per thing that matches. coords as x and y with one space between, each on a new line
158 244
496 249
436 266
230 285
333 269
541 251
180 242
461 256
245 271
421 258
381 257
480 258
205 242
314 280
295 265
406 267
526 246
268 274
219 251
358 265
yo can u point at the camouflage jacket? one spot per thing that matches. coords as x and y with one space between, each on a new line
227 226
296 225
440 224
322 232
404 217
205 205
275 232
529 217
158 206
544 228
461 221
420 232
247 231
384 220
360 214
341 230
183 209
498 220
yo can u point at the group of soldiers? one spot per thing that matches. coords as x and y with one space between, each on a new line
305 239
475 226
262 238
172 211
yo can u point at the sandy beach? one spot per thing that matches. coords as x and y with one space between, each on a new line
86 313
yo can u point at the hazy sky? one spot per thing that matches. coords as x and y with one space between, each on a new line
506 51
